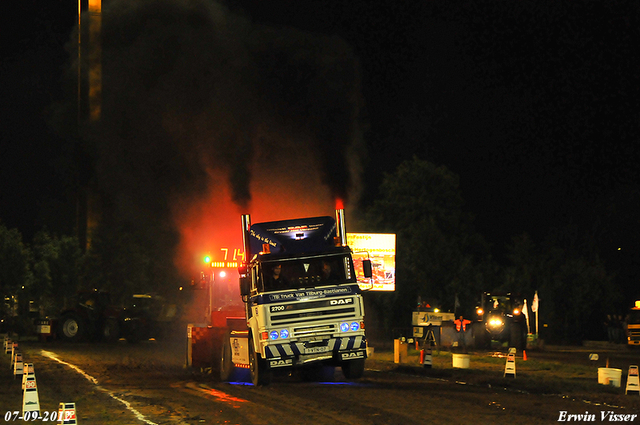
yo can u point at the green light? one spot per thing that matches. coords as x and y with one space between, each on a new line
207 259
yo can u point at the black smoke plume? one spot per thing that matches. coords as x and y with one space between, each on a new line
189 87
191 92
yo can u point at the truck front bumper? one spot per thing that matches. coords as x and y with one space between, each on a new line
304 352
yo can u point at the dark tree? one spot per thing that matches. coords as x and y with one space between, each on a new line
438 254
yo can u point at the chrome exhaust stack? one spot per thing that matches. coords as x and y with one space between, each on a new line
246 227
341 230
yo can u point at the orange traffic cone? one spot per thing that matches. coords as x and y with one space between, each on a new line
524 355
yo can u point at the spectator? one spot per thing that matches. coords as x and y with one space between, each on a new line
461 328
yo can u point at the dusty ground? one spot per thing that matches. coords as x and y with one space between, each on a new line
147 383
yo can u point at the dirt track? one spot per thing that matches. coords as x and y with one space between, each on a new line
147 382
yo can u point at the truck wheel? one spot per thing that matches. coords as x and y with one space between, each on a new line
227 369
135 331
111 331
72 328
353 369
260 375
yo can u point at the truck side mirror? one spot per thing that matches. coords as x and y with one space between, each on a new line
366 268
245 286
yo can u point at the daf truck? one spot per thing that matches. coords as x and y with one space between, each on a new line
303 306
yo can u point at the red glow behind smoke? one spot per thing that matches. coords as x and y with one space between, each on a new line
206 225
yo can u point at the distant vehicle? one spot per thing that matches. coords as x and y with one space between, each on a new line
93 317
499 318
426 322
633 325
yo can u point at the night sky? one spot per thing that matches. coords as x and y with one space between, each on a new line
533 104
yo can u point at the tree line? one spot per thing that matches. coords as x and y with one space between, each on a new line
41 278
440 256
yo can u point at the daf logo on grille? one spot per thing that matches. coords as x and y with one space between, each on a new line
342 301
353 355
280 363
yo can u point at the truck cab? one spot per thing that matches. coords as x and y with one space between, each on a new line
303 304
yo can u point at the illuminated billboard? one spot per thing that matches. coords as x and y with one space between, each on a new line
380 248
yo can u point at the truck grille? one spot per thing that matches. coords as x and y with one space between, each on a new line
314 317
314 330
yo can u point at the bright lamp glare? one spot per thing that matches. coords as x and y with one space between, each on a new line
495 322
355 326
284 333
273 335
344 327
223 273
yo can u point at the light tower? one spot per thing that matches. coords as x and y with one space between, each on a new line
89 60
89 106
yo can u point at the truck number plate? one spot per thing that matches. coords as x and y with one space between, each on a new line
316 350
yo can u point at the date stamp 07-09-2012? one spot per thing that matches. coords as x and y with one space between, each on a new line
44 416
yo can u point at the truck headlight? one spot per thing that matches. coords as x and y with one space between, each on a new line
344 327
282 334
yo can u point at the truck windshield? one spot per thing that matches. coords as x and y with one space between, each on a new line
306 273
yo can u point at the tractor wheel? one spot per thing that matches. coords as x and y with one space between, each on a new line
227 368
353 369
135 331
260 375
111 330
72 328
